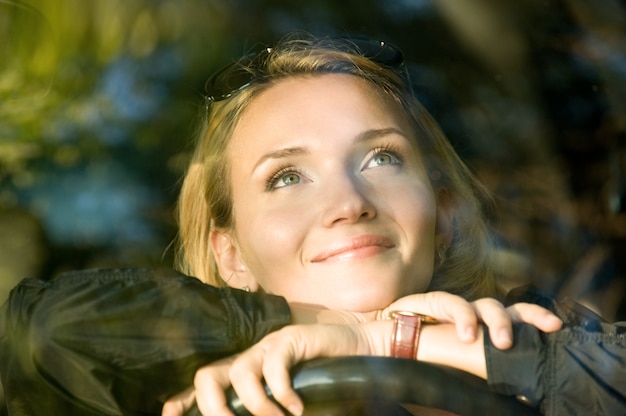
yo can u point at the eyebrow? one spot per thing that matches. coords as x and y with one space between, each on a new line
298 151
376 133
281 154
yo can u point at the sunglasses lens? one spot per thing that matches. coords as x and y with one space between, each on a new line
235 76
388 55
225 82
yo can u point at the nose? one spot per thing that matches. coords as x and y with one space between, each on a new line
347 202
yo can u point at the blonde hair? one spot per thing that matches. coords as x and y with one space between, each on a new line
205 200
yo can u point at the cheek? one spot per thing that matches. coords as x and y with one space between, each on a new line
416 216
414 207
423 217
269 242
273 237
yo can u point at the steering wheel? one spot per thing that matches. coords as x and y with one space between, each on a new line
383 381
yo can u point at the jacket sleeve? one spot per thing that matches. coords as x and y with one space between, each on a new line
579 370
112 342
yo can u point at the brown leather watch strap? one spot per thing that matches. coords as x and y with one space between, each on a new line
406 333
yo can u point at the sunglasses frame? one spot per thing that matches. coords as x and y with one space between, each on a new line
238 75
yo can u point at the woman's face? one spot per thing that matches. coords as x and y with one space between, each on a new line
332 202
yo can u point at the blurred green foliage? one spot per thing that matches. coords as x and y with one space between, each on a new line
99 101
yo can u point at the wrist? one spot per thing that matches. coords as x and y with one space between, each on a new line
440 344
406 333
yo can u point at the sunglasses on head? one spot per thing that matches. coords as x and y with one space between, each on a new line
241 73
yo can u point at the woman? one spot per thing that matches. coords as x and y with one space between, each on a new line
317 168
334 191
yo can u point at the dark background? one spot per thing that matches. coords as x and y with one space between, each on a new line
99 101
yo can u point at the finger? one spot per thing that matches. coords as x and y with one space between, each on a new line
497 319
445 307
463 315
246 378
276 374
535 315
210 383
177 405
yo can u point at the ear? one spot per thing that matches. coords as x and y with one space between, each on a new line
445 219
230 265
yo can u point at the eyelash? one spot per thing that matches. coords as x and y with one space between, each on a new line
270 184
389 149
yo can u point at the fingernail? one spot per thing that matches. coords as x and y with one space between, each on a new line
554 319
295 409
504 335
470 333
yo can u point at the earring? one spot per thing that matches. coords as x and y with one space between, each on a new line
440 254
246 288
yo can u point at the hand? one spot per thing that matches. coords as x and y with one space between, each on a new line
466 316
212 381
270 360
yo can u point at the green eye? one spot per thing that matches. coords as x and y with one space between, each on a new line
288 179
284 177
383 157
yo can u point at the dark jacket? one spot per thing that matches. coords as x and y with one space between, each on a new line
115 342
579 370
119 342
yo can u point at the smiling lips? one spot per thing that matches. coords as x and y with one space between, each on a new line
356 248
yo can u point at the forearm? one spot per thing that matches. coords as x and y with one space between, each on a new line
305 314
580 368
439 344
132 335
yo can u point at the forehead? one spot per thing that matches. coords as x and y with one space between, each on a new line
320 99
